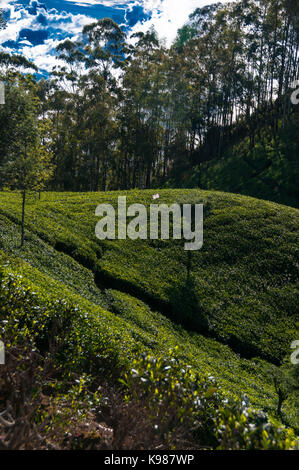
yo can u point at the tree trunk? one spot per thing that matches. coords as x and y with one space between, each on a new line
148 176
23 218
280 403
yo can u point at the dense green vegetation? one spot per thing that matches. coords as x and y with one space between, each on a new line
268 170
213 111
165 348
53 345
137 297
250 251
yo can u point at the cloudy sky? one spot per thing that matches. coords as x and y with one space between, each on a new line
36 28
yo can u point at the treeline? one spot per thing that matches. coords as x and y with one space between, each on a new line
123 112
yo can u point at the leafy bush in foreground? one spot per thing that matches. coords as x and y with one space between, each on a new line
184 405
54 327
172 405
241 428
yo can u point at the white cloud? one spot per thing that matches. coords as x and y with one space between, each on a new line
169 15
106 3
42 54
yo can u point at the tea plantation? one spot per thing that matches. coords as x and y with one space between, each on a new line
230 310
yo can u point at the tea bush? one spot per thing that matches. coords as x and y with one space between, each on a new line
234 316
168 399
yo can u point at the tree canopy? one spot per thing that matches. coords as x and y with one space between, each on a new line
126 112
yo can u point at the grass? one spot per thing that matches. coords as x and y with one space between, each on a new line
233 318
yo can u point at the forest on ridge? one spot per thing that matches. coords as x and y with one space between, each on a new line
123 113
132 342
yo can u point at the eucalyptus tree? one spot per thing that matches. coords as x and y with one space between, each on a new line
106 47
12 62
131 113
104 57
142 112
26 163
2 20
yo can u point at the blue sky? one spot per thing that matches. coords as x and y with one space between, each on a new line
35 28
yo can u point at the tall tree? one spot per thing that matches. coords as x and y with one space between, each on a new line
27 164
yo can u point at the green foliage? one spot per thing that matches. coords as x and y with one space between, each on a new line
259 247
268 171
26 164
240 428
164 384
2 21
15 62
191 115
122 284
195 112
169 392
53 327
174 394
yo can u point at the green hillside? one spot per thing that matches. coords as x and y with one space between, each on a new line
141 344
266 169
234 316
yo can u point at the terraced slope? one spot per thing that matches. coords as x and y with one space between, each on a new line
232 308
